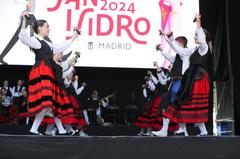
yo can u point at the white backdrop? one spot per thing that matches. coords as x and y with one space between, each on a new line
115 33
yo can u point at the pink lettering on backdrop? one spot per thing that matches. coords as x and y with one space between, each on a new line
121 27
121 22
55 7
99 26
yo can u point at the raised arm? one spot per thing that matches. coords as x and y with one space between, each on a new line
144 92
73 60
174 45
151 86
68 72
179 50
66 44
31 42
167 55
201 37
79 90
154 79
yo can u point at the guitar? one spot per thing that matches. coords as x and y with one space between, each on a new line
105 101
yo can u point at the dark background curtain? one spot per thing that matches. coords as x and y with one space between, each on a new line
221 17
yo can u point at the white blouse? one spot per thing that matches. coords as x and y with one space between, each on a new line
34 43
202 49
185 53
172 58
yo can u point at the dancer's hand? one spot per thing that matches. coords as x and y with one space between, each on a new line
84 84
168 35
144 86
77 54
149 73
76 77
155 63
198 17
25 15
77 30
158 47
198 20
161 33
29 4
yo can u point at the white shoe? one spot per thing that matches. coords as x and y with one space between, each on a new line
140 134
148 134
88 123
72 132
100 120
161 133
54 131
203 134
83 134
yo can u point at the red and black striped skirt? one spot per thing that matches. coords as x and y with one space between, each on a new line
45 92
195 110
75 120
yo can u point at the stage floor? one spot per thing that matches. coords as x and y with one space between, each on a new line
92 130
113 142
118 147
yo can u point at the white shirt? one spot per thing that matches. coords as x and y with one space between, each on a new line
15 91
151 86
67 71
67 82
162 78
185 53
145 93
78 90
171 58
154 79
202 48
34 43
168 56
6 101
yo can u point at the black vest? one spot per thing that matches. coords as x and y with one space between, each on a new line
44 53
177 66
16 90
197 59
8 92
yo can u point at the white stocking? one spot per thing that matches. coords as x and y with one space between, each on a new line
59 125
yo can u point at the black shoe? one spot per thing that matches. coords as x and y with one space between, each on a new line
68 133
2 61
47 134
180 134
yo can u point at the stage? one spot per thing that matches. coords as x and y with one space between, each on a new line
113 142
118 147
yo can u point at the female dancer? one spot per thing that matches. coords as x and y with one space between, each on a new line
45 94
192 99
